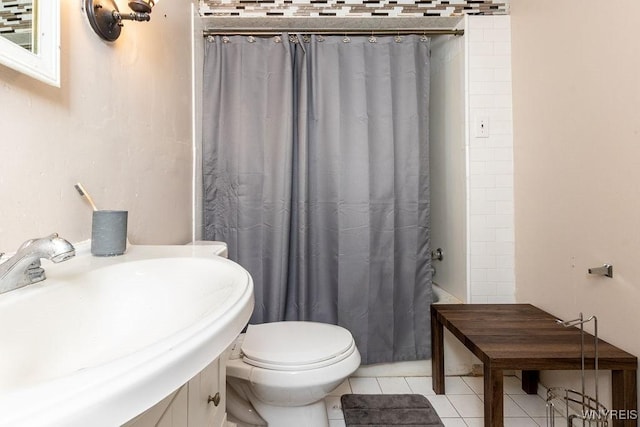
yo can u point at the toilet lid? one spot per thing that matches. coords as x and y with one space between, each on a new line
296 345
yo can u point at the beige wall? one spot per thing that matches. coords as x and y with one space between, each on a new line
121 124
577 160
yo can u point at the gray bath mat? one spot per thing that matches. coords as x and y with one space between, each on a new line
381 410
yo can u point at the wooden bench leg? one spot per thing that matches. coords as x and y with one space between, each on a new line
624 398
437 354
530 381
493 397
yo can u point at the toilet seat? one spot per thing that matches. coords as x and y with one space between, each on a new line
296 346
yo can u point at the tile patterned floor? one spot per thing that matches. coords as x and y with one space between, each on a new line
460 407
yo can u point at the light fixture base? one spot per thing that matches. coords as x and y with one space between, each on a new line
102 19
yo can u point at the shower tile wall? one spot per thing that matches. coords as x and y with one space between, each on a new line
351 8
490 160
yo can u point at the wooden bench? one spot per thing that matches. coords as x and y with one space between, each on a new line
524 337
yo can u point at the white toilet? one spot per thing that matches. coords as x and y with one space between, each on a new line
284 370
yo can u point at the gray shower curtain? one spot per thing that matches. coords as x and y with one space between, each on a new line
316 173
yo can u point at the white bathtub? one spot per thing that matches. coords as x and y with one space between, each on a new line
440 296
458 359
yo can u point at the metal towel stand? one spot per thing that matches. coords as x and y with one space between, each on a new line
578 406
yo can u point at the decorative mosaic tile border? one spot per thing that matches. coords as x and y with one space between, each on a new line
16 16
352 8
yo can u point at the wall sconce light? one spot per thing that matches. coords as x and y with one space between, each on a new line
106 19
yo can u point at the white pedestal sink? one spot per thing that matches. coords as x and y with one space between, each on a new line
103 339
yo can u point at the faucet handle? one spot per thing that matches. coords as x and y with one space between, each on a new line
30 241
35 272
1 255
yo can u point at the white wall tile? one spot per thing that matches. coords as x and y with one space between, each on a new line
485 289
484 48
501 140
483 207
499 221
480 24
504 289
502 74
500 88
482 235
483 181
485 75
505 207
502 21
482 61
490 171
477 168
479 275
483 88
478 194
498 194
479 153
501 167
473 35
505 248
501 113
497 34
501 299
482 101
504 235
504 181
502 154
501 275
483 261
502 101
500 48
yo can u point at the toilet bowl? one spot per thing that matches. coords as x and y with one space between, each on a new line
283 371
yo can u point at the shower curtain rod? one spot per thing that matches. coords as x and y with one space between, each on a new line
271 26
380 32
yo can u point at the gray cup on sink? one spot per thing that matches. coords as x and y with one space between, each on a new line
109 233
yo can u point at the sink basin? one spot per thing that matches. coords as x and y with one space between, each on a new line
103 339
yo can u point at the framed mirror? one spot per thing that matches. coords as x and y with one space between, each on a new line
30 38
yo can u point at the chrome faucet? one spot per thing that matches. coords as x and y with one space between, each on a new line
24 268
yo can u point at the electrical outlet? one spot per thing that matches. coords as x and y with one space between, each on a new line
482 127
